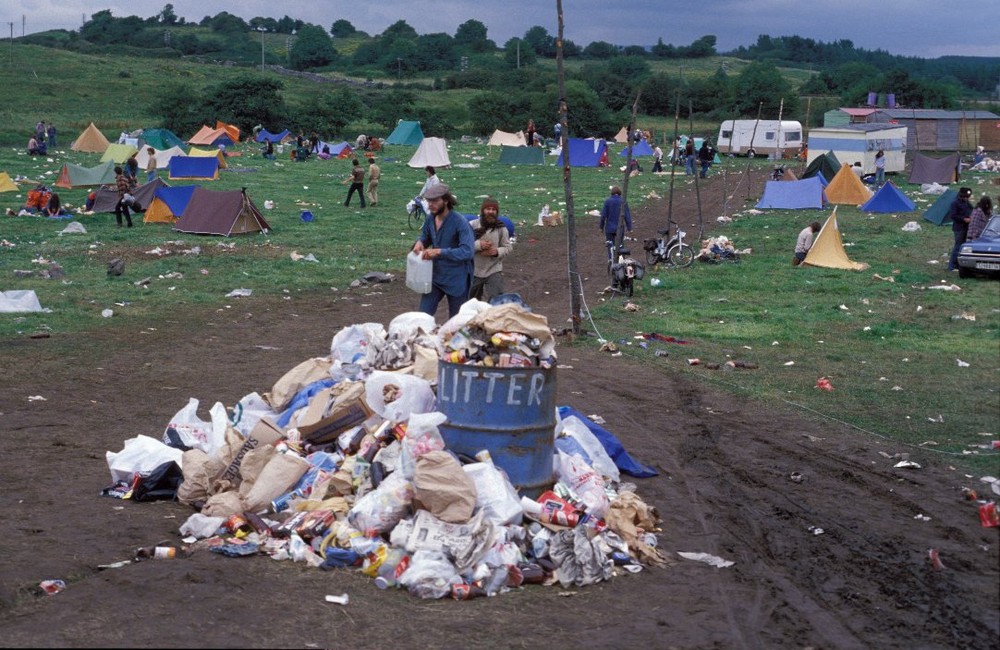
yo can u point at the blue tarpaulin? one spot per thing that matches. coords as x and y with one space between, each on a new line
612 445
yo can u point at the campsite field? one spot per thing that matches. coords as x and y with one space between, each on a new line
726 443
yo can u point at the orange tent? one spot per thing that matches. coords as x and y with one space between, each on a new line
233 131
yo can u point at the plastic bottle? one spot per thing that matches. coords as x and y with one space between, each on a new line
395 563
496 581
156 553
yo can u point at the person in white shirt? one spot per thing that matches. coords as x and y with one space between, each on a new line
805 242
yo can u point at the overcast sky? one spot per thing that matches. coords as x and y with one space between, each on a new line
926 28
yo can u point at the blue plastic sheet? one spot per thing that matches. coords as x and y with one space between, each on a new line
612 445
302 398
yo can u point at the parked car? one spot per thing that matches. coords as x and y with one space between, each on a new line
982 255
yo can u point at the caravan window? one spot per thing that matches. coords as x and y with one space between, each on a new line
769 135
793 136
726 135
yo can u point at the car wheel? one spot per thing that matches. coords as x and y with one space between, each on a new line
964 272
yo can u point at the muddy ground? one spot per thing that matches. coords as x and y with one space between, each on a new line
724 488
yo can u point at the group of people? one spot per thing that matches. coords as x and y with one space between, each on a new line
467 256
967 222
43 139
357 180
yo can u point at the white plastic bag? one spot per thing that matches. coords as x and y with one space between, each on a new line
408 325
598 457
580 477
382 508
494 493
422 436
197 433
248 412
413 395
430 575
201 526
353 350
141 454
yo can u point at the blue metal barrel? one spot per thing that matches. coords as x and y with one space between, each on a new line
511 412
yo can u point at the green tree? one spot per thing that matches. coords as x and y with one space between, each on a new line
587 114
342 28
225 22
167 15
517 52
762 84
543 43
659 94
435 52
600 50
312 49
663 51
701 48
399 30
471 36
630 69
330 114
244 101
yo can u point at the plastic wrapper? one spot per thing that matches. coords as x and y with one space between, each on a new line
596 456
422 436
201 526
409 395
495 494
353 350
142 454
430 575
381 509
248 412
196 433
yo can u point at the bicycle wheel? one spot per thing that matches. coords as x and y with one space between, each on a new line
652 258
681 255
415 219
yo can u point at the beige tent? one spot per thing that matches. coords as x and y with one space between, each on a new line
90 141
828 249
433 152
163 157
118 153
6 184
208 153
846 188
622 136
510 139
788 175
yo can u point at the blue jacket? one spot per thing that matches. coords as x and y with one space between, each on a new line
453 269
609 215
960 210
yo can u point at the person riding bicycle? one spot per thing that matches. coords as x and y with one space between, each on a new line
614 206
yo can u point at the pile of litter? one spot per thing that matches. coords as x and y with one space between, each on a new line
343 463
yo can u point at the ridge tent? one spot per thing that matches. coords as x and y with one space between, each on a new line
168 204
340 150
792 195
827 165
502 138
521 155
118 153
847 189
432 151
77 176
889 199
640 148
232 131
107 197
408 133
163 157
622 136
6 184
938 212
926 169
828 249
209 137
91 140
584 153
210 212
159 139
194 167
264 134
209 153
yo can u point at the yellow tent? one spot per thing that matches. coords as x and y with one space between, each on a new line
6 184
90 141
209 153
828 249
846 188
119 153
159 212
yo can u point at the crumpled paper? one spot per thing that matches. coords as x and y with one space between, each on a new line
631 517
581 561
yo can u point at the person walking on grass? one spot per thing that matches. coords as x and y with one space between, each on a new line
374 174
150 164
357 181
123 186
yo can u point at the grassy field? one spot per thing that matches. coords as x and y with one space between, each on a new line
892 349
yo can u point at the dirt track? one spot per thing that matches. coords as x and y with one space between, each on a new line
724 488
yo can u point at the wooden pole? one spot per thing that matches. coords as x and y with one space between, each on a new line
575 283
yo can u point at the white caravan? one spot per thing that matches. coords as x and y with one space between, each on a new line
759 137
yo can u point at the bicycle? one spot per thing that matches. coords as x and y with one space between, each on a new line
416 213
669 249
622 269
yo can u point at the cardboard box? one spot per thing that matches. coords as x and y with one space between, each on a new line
329 415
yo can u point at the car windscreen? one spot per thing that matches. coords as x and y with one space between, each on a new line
992 229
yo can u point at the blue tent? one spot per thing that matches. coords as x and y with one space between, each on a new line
273 137
584 153
889 199
504 218
792 195
176 197
642 148
199 167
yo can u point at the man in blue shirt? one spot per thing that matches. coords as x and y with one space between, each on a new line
448 240
960 215
613 206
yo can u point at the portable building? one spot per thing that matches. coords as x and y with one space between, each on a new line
852 143
759 137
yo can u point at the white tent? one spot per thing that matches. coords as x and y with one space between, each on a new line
510 139
432 151
163 157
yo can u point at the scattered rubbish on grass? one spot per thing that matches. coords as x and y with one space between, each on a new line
239 293
907 464
36 398
989 516
962 364
342 599
934 558
52 587
824 384
816 530
107 313
796 477
921 517
965 315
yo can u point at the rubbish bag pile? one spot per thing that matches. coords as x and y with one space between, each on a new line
342 464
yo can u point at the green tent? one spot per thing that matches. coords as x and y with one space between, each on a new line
77 176
408 133
938 211
521 155
161 139
827 164
118 153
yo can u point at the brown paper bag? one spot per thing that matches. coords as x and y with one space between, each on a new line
280 474
200 471
442 487
295 380
224 504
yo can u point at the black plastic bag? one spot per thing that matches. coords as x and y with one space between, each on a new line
160 484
